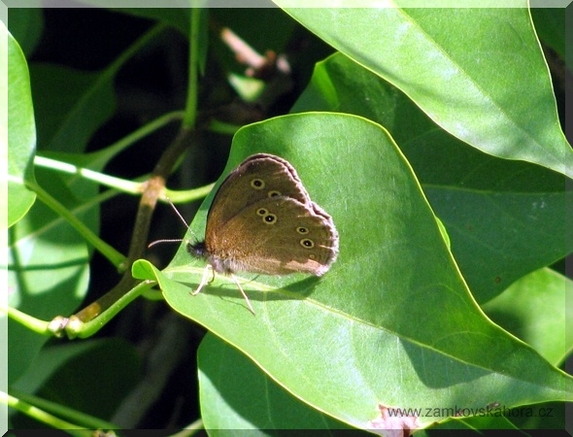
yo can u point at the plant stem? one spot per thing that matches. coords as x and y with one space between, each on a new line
194 33
101 178
115 257
43 416
64 412
77 328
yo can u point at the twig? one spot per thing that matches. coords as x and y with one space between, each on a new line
153 189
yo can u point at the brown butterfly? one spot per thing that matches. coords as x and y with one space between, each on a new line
262 220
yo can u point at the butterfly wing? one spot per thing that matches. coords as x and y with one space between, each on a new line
259 177
277 235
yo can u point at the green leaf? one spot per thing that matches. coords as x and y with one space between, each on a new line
498 237
143 269
550 26
48 261
21 131
484 96
482 200
48 274
533 310
75 375
250 399
391 308
27 25
69 119
49 360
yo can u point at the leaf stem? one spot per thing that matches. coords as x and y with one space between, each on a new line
64 412
77 328
141 132
101 178
192 91
43 416
115 257
30 322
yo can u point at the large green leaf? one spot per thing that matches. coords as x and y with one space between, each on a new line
498 237
533 309
21 130
550 25
27 26
59 375
48 272
505 218
70 118
478 73
246 398
392 323
48 269
236 395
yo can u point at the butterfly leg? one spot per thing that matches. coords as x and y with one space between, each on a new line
243 293
212 275
203 279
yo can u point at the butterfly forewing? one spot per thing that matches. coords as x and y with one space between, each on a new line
258 177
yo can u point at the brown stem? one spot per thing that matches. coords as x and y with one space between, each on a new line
153 189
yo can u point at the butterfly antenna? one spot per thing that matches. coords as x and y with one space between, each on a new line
175 240
177 212
180 216
171 240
